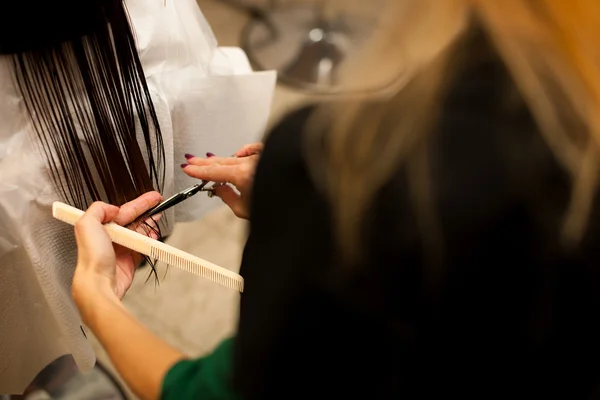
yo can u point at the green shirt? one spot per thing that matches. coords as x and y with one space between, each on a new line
206 378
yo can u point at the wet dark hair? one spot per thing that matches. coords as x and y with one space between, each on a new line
76 65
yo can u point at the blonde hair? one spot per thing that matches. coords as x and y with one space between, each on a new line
550 48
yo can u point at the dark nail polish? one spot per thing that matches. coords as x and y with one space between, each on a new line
184 165
210 155
188 156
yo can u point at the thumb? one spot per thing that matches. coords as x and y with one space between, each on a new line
90 223
230 197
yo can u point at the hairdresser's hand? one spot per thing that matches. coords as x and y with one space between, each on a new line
237 171
103 268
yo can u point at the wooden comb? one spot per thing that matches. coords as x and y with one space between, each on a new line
156 250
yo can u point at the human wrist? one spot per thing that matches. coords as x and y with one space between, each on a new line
92 295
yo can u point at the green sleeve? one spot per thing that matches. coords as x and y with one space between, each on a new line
206 378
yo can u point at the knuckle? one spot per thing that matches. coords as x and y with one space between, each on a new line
194 171
209 172
201 161
245 168
80 224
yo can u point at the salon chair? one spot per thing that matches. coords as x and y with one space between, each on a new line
61 380
307 41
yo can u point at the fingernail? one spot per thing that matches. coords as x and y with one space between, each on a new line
188 156
210 155
184 165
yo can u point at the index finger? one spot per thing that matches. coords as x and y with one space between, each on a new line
215 173
131 211
215 160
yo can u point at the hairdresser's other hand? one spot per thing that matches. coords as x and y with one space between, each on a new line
103 268
237 171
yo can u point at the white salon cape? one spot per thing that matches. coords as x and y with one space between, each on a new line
207 99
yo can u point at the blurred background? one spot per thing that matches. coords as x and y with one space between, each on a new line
307 42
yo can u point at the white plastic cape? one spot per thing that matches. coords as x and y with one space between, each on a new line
207 99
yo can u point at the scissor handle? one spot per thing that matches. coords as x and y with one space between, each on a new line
174 200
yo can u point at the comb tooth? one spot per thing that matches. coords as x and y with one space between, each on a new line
194 267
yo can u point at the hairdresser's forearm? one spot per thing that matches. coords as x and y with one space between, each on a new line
141 358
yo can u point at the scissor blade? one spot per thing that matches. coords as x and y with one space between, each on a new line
174 200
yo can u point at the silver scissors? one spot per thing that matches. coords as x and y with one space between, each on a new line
176 199
181 196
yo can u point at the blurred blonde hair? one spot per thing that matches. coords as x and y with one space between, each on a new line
550 48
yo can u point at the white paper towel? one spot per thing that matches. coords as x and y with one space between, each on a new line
207 99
